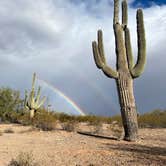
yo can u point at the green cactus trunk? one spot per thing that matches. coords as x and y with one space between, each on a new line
126 69
128 106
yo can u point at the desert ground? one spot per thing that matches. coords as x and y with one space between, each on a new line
62 148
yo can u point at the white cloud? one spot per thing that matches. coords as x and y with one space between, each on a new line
53 38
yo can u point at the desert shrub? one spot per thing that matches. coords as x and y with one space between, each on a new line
69 126
154 119
13 117
45 121
62 117
23 159
24 119
9 130
1 133
9 102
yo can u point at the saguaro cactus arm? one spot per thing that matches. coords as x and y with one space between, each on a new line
116 12
139 67
127 35
124 13
99 57
100 45
129 49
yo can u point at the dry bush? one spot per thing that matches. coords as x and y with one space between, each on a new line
45 121
23 159
8 130
69 126
154 119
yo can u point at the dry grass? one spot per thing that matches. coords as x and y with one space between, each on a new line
23 159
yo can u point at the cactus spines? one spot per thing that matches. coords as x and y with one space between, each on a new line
126 70
33 102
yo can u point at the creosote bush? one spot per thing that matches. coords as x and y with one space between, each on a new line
23 159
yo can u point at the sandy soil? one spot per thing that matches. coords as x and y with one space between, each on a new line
61 148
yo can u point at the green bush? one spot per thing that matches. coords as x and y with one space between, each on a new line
9 102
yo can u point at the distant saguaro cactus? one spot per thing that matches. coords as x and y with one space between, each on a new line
126 69
32 102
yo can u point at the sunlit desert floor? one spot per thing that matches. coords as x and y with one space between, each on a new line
61 148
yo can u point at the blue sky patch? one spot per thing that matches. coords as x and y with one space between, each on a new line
148 3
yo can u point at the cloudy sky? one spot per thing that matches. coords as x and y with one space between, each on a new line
53 38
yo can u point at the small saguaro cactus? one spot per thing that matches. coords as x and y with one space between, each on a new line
126 69
33 102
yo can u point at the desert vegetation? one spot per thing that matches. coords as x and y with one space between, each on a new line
24 159
55 133
12 111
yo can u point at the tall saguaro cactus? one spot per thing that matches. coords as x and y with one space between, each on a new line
126 69
32 102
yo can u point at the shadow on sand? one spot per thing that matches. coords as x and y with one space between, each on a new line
149 154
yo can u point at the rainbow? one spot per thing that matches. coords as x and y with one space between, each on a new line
61 94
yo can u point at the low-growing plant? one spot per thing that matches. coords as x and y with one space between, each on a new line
23 159
45 121
62 117
69 126
9 130
154 119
